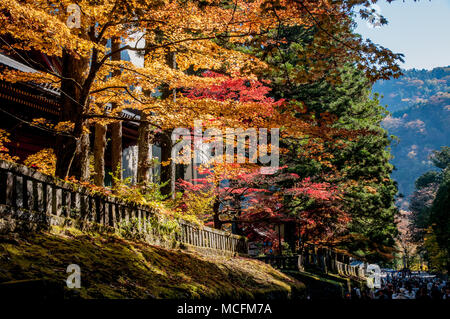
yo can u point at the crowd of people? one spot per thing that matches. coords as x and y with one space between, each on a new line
401 286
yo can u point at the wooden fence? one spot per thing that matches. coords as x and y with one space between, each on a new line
28 197
211 238
281 262
318 259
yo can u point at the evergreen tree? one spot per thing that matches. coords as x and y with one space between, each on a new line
359 161
430 206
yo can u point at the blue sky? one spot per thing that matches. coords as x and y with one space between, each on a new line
420 30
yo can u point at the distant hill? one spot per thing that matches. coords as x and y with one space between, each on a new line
420 105
414 87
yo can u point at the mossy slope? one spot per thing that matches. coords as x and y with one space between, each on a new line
114 267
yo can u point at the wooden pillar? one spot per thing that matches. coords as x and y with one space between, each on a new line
99 154
144 146
116 149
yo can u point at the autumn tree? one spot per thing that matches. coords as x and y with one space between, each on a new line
252 203
354 156
186 28
243 42
405 240
430 205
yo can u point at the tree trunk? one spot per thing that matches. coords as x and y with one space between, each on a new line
84 157
99 154
216 212
72 104
166 170
235 229
116 150
290 235
80 161
116 128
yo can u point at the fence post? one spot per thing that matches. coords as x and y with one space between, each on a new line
38 189
113 219
107 212
76 203
83 205
118 211
18 191
3 186
185 234
10 190
98 214
57 200
139 218
66 201
92 214
28 190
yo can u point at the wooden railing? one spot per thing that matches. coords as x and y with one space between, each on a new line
330 260
211 238
318 259
281 262
347 270
30 197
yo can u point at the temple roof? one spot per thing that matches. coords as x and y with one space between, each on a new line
50 93
15 64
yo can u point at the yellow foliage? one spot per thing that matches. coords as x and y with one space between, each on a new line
198 204
436 253
188 29
165 163
371 189
4 138
44 161
65 127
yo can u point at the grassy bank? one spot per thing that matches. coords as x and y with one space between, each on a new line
114 267
321 286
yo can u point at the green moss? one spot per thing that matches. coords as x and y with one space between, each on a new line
114 267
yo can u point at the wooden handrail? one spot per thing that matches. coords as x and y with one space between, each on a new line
324 262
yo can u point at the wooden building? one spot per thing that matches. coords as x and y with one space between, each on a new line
20 103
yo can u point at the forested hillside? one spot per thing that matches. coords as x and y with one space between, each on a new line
414 87
420 106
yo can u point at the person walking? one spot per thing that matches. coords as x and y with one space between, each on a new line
435 292
422 294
